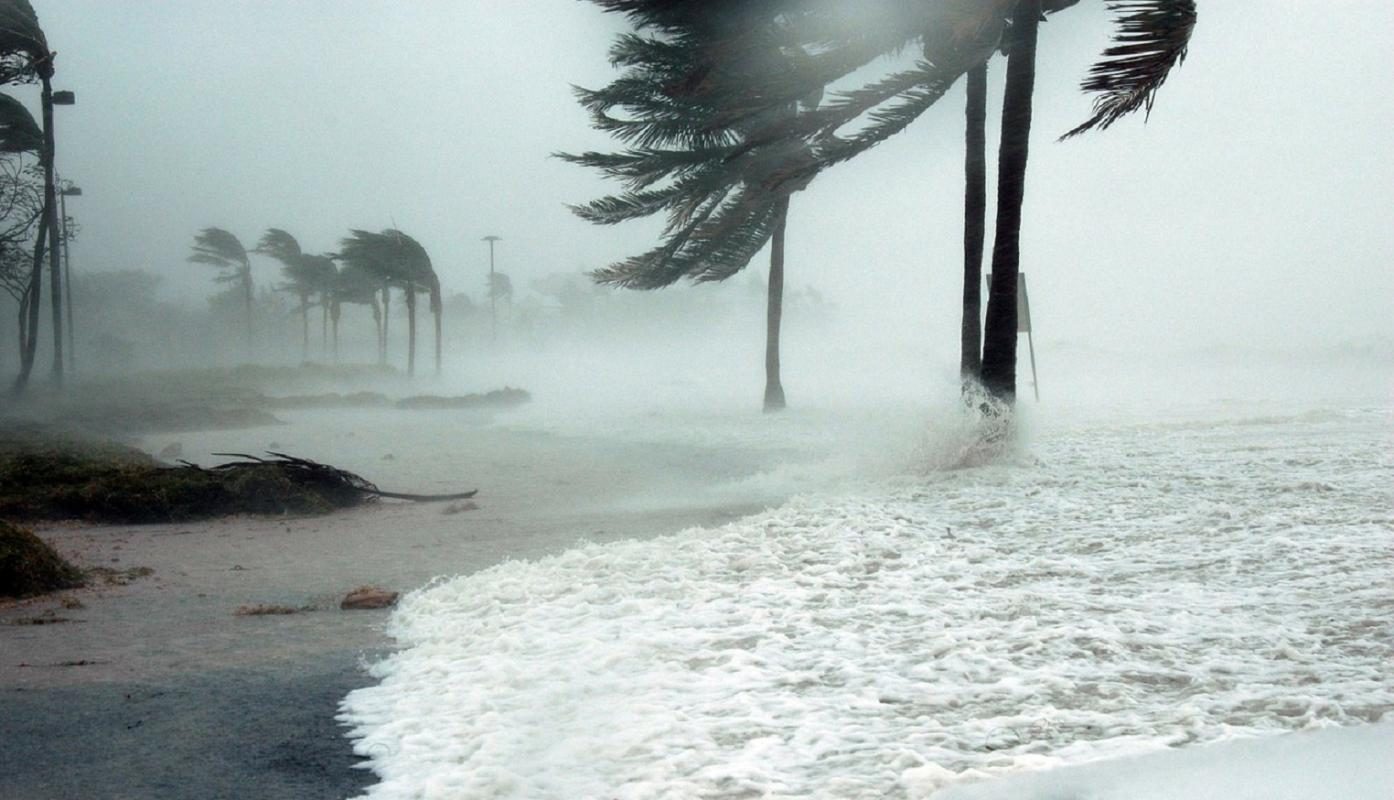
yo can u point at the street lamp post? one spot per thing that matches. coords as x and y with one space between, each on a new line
493 300
50 99
63 195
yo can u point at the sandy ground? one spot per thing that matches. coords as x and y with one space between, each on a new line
156 688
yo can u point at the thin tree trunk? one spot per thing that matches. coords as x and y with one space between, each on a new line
334 322
386 314
774 310
435 312
55 273
304 327
377 322
324 324
36 285
1000 333
411 329
974 224
247 305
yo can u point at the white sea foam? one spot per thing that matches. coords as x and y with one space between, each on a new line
1115 590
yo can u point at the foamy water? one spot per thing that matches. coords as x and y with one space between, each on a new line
1111 590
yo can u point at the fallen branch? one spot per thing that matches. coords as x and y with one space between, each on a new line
305 471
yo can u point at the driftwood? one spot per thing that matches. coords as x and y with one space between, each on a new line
307 472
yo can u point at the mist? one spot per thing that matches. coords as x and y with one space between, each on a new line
460 515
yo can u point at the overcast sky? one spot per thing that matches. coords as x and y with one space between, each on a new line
1254 207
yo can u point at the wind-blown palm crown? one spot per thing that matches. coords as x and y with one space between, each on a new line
396 259
19 133
219 248
24 53
704 105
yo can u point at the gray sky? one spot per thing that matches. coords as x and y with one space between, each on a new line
1254 207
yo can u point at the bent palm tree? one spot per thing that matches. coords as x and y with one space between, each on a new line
355 285
398 260
219 248
283 247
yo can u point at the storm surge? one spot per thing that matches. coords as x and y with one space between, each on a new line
1120 589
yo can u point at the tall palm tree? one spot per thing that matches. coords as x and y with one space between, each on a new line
219 248
397 260
283 247
1000 328
712 149
322 275
708 158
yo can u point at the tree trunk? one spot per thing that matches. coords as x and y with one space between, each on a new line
334 322
34 296
323 324
386 314
411 329
974 223
304 327
774 310
55 274
377 322
1000 333
247 305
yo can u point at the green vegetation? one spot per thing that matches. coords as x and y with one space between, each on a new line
28 566
47 477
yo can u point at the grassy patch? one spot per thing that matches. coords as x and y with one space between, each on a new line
28 566
55 478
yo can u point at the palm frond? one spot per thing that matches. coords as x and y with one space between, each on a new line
24 52
1150 39
19 133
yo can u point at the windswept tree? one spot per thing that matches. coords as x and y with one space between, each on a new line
398 261
700 159
283 247
25 57
354 285
224 251
723 188
306 276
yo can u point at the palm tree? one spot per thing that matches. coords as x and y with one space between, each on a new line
704 114
322 275
283 247
1000 328
396 259
219 248
353 284
708 156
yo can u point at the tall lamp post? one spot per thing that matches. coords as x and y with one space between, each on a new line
50 99
493 300
63 195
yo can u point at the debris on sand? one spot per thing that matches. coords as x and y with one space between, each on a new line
456 508
268 610
55 478
368 597
29 566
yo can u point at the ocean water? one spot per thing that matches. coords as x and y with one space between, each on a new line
923 617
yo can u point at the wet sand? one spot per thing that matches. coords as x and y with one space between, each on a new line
157 689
